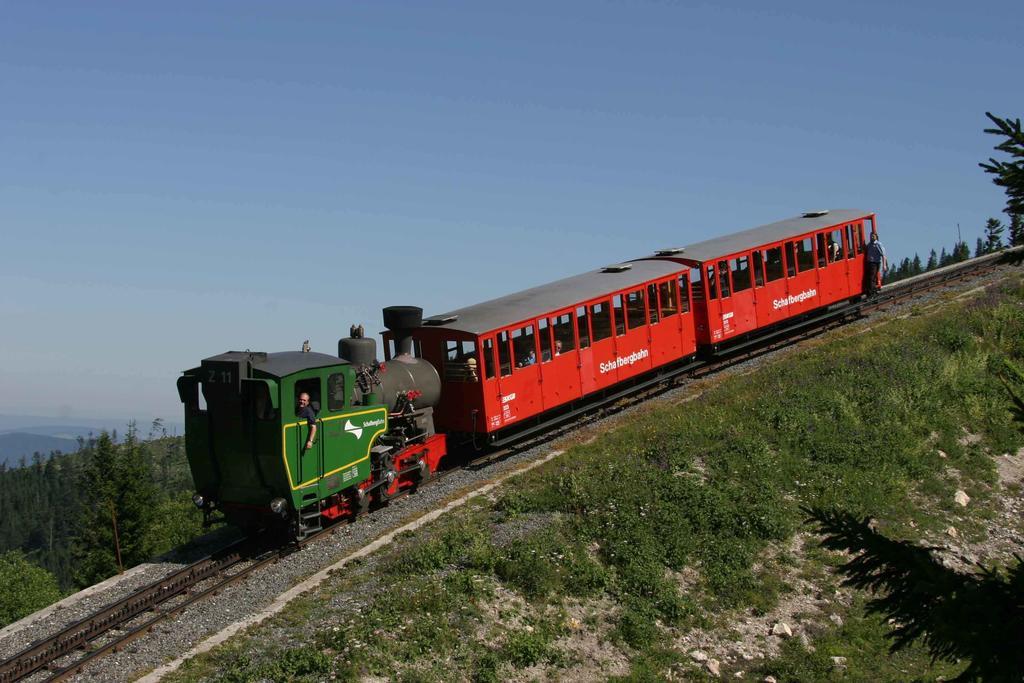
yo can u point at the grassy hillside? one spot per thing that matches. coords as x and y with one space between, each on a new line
679 536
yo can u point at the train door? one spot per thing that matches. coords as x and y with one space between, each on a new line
712 306
602 346
831 268
666 325
802 277
632 335
839 271
772 293
559 361
493 409
585 355
526 373
855 257
687 313
744 318
727 312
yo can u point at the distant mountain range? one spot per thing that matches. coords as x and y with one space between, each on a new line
23 435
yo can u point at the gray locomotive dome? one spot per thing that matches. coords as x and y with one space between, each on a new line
537 301
746 240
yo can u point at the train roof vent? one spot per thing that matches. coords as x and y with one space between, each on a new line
815 214
617 268
671 251
441 320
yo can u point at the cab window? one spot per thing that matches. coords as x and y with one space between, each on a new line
336 392
311 387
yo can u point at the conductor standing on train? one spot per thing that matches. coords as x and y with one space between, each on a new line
876 264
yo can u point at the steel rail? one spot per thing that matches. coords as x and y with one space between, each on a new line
77 636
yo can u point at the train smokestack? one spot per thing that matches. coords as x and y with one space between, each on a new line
402 320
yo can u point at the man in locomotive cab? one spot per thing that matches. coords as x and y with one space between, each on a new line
305 412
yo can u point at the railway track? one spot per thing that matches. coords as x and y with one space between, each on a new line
132 617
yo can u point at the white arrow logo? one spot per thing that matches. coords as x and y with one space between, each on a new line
352 429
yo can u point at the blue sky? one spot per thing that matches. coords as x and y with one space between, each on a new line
179 179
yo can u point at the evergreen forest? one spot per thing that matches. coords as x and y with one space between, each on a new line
58 515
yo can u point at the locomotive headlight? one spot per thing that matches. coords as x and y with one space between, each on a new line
278 506
199 500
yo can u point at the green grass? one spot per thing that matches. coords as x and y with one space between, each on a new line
710 484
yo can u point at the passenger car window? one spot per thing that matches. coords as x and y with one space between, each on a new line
667 290
836 252
504 357
620 316
635 309
740 267
336 392
564 339
652 303
773 264
460 363
790 259
544 333
723 278
524 347
584 327
601 321
488 358
805 254
822 253
712 287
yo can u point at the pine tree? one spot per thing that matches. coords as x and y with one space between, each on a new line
944 258
1016 236
94 549
961 252
979 248
118 494
993 235
933 261
1009 175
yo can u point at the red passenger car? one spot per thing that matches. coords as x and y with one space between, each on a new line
753 279
505 362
